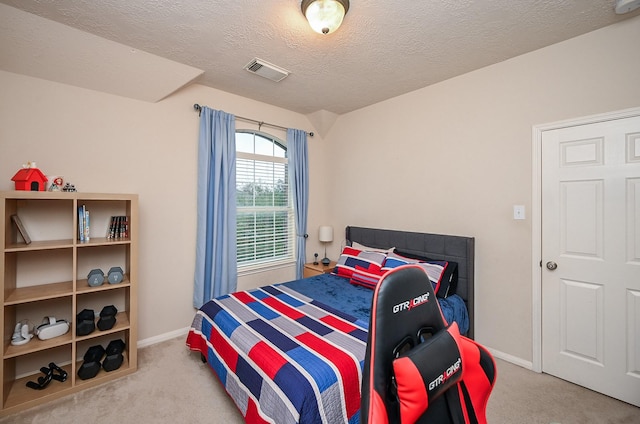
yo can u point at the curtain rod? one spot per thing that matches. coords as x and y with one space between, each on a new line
260 123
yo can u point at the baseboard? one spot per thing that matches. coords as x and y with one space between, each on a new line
163 337
512 359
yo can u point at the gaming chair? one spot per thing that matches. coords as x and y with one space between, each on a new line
419 369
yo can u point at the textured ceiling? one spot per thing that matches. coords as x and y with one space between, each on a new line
382 50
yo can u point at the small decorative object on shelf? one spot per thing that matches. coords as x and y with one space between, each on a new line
68 187
115 275
95 278
107 318
30 178
51 328
114 355
85 322
91 362
56 184
21 334
53 372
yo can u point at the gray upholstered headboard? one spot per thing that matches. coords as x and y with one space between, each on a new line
434 246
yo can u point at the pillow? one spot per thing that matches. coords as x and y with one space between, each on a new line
434 270
394 260
427 371
368 278
352 259
443 274
359 246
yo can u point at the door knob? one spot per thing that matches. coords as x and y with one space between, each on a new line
551 265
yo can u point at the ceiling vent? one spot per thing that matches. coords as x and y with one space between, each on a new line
267 70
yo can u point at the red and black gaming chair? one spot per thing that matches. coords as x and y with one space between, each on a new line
419 369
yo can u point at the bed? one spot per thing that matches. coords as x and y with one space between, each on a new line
293 352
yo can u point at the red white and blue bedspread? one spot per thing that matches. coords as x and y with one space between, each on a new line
283 357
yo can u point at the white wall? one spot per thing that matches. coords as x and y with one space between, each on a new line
107 143
455 157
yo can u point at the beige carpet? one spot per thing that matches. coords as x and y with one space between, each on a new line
173 386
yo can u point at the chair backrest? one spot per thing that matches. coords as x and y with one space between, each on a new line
418 368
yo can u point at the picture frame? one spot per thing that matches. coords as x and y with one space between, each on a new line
23 231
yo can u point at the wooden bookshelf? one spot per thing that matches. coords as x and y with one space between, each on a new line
49 276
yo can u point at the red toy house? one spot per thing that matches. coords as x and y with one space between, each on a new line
30 179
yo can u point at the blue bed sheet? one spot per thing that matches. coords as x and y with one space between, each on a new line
341 296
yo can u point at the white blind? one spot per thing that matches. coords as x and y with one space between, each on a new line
265 230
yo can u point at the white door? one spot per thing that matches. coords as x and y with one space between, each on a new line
591 234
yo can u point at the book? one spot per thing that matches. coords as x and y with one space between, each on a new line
81 223
118 228
126 227
110 228
23 231
87 226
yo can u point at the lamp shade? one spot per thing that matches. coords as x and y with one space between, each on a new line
325 234
325 16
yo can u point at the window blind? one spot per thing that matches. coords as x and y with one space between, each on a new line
265 230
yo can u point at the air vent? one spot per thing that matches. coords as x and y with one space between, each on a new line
267 70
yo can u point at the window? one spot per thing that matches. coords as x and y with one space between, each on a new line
265 220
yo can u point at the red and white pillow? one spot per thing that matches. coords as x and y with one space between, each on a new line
360 266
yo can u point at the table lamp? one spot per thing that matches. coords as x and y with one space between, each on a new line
325 235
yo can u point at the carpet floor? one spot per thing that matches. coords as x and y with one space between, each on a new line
172 385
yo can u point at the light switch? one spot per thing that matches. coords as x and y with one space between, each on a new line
518 212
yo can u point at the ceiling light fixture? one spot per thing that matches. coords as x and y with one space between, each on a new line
626 6
325 16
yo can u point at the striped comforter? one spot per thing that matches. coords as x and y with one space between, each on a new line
283 357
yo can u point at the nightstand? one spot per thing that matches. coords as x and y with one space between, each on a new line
310 269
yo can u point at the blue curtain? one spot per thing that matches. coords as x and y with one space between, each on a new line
216 270
299 180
